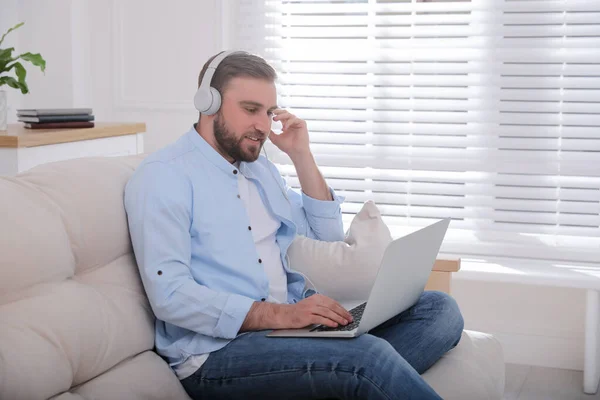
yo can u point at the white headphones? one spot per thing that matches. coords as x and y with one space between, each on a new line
208 99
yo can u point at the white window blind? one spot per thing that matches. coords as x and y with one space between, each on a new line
485 111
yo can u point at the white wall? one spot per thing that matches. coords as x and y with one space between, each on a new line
136 60
9 18
130 60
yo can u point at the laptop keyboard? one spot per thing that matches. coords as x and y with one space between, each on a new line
356 313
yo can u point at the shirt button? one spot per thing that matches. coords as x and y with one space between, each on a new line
249 228
239 197
263 299
259 261
235 171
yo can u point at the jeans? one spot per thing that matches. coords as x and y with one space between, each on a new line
385 363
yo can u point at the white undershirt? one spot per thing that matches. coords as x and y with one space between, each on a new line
264 229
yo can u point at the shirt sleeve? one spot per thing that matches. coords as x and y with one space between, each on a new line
159 202
324 217
316 219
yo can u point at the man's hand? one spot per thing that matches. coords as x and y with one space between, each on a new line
293 139
316 309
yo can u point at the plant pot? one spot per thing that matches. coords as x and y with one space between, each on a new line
3 111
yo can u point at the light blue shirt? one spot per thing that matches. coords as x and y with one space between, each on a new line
194 247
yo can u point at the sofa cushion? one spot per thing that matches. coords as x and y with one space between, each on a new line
353 262
33 241
143 377
89 196
473 370
72 304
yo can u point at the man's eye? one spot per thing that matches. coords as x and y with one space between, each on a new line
251 110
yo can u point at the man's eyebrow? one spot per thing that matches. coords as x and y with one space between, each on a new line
256 104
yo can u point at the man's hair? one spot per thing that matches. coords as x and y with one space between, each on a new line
240 63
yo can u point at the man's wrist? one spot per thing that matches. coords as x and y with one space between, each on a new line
276 315
264 316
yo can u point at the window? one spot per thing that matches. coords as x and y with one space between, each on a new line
485 111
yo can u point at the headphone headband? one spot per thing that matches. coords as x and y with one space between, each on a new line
212 68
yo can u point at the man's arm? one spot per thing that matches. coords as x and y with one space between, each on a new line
158 200
321 206
311 180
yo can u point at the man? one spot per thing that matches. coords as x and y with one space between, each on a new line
211 220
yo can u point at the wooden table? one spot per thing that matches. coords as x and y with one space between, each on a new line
22 149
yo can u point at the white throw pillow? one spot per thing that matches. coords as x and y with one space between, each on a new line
344 270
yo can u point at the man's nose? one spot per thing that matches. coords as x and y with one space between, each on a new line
263 124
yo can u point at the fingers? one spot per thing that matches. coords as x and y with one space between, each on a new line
341 311
324 321
320 309
333 305
326 312
282 115
279 111
288 120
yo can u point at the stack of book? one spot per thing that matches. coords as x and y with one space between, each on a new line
49 118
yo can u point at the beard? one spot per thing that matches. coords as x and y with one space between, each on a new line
233 146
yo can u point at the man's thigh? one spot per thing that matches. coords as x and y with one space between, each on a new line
256 366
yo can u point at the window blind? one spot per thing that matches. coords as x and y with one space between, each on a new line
484 111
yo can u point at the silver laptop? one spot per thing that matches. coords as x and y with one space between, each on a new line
400 281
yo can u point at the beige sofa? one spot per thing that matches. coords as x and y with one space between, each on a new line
74 319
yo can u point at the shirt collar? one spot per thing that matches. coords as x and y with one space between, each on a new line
210 153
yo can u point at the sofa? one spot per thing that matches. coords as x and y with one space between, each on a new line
74 319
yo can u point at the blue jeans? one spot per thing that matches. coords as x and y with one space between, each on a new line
385 363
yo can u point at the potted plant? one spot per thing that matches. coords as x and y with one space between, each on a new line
7 64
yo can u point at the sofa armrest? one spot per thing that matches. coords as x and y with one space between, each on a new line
440 278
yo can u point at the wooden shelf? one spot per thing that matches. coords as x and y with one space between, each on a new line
19 136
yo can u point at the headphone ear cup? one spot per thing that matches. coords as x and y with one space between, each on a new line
202 99
215 103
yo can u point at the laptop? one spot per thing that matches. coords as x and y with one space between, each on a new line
403 273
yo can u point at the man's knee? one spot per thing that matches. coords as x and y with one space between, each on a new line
444 309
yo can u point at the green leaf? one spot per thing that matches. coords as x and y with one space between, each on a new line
13 83
10 30
6 54
5 58
36 59
21 73
7 80
11 66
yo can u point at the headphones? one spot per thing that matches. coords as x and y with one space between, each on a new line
208 99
